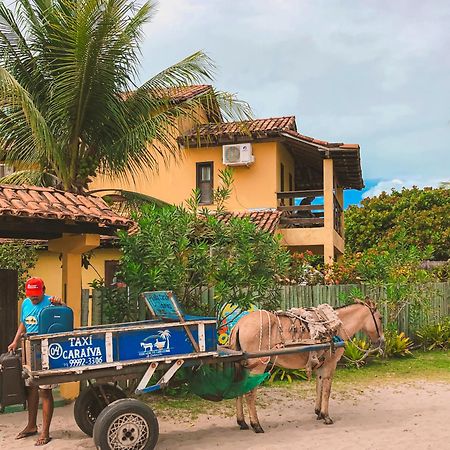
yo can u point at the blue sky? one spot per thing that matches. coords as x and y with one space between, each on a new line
374 73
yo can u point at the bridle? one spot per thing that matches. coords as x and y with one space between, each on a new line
372 310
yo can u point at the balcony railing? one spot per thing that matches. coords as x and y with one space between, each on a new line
299 212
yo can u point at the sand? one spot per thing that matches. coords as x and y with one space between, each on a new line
410 416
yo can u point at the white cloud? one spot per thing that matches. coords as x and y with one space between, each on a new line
398 184
372 72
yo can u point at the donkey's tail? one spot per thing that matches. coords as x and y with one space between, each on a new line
234 343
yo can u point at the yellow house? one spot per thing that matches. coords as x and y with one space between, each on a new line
294 182
275 168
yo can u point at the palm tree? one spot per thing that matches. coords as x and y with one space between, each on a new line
166 336
70 107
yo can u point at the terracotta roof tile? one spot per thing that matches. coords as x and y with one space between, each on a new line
248 127
320 142
49 203
178 94
265 220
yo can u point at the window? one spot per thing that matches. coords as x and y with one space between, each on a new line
205 173
111 267
281 178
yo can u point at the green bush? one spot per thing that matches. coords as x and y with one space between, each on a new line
397 344
288 375
355 353
435 335
21 257
187 252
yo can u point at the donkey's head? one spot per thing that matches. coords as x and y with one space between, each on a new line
373 323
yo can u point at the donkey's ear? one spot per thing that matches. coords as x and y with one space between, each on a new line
370 303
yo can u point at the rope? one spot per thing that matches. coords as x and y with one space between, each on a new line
366 352
261 334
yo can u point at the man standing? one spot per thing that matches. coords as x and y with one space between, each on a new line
35 302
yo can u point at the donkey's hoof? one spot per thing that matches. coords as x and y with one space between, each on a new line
317 412
328 421
320 416
257 428
243 425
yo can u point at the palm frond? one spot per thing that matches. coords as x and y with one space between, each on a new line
126 202
24 132
32 178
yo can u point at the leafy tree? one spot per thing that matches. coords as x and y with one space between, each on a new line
70 104
18 256
412 217
186 251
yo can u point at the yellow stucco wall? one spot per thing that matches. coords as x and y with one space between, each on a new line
285 158
48 268
254 186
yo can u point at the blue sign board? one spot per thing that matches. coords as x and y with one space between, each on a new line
165 341
76 351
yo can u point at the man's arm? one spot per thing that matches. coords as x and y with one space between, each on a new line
15 343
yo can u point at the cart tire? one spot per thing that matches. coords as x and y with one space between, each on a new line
126 424
90 404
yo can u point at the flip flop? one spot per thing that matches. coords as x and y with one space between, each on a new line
42 441
25 434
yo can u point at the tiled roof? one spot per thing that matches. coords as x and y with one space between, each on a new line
319 142
178 94
49 203
346 156
265 220
187 92
248 127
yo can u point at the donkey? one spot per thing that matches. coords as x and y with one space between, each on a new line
263 330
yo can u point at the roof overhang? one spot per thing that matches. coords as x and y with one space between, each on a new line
30 212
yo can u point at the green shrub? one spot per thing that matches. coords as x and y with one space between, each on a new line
18 256
355 353
289 375
397 344
435 335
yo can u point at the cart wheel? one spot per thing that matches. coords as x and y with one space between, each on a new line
126 424
91 402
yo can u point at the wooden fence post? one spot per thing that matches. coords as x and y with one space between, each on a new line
84 307
96 307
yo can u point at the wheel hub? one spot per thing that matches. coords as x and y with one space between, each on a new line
128 431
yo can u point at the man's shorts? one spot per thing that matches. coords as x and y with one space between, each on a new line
42 386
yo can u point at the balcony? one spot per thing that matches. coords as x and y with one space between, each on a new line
299 212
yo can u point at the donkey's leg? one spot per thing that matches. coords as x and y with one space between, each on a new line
318 394
250 397
240 414
328 370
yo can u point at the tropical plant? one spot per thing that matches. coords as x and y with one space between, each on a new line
397 344
288 375
356 352
434 336
70 104
18 256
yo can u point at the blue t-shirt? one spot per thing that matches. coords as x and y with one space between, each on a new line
30 313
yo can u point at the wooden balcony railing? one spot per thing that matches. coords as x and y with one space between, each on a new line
299 212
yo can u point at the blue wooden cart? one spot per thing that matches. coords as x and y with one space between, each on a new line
109 353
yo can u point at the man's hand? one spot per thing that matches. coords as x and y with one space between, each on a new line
13 346
56 301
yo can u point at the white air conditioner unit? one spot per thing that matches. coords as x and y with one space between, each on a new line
238 155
